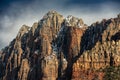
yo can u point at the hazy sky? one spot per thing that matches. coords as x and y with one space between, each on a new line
15 13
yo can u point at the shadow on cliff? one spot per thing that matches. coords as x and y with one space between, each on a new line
10 75
89 39
116 37
3 61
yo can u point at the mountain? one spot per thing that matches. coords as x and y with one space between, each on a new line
58 48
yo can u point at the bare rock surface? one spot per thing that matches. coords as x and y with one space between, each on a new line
58 48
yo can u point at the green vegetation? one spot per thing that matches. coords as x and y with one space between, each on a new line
112 73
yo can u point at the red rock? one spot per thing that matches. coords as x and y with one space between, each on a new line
62 49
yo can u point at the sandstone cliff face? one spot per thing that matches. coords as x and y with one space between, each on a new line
98 50
24 70
61 49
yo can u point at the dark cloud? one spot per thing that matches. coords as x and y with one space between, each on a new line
91 1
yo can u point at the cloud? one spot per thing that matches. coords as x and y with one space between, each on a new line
19 13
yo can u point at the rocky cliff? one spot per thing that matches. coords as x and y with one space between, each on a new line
58 48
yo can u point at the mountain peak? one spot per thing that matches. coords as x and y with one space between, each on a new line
24 29
51 13
51 18
62 49
73 21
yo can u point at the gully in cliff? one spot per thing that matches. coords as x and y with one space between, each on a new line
58 48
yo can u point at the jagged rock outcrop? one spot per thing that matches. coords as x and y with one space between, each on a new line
50 25
58 48
98 50
73 21
24 70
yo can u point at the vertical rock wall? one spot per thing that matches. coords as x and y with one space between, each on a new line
61 49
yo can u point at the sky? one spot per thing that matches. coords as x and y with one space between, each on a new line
15 13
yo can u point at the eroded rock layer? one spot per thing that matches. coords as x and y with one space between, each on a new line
62 49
